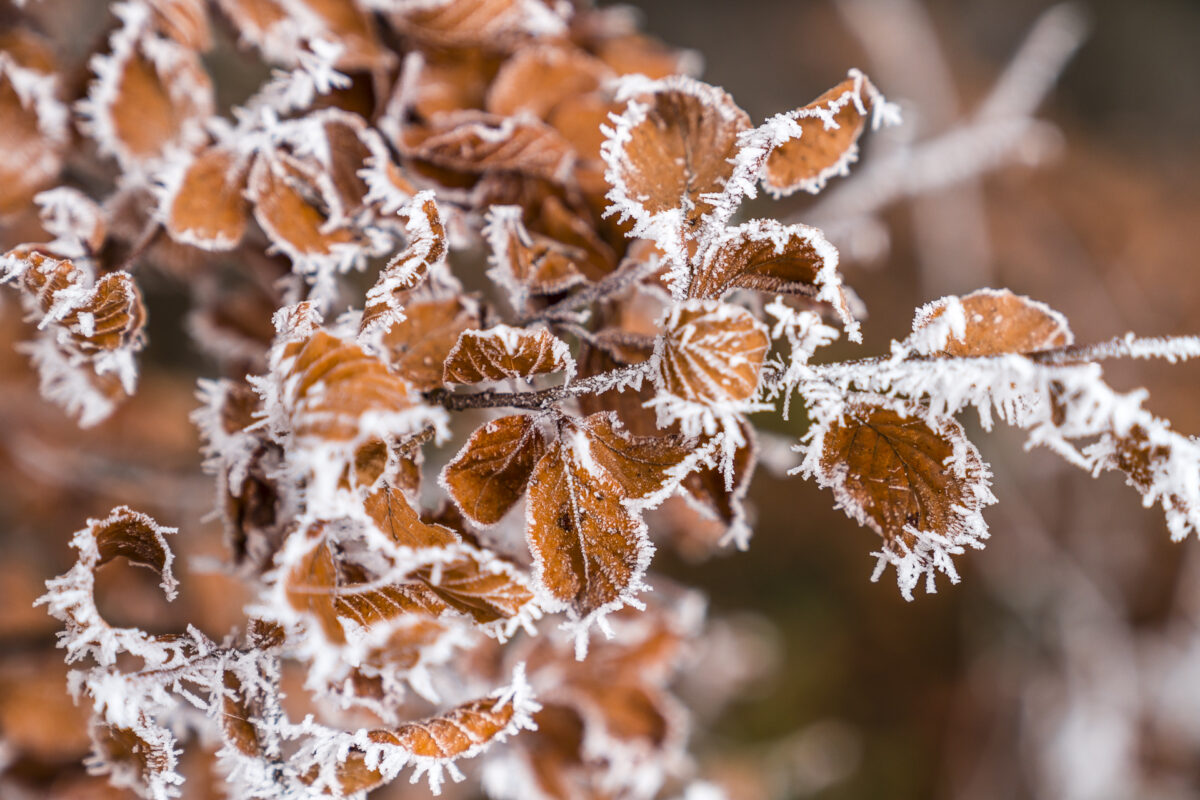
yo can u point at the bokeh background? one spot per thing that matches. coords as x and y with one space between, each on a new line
1067 662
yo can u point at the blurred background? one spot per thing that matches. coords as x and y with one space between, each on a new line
1066 665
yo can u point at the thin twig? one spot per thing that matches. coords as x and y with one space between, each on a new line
541 398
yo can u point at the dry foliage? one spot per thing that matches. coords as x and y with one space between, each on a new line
629 319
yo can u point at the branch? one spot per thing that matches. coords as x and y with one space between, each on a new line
542 398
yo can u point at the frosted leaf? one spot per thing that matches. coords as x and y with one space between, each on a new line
78 224
767 256
721 495
670 148
417 347
88 333
297 227
827 141
711 352
150 96
474 23
526 264
202 200
589 545
185 21
331 391
477 142
33 125
535 80
489 474
505 352
988 322
426 251
914 479
590 553
432 745
282 29
71 596
141 757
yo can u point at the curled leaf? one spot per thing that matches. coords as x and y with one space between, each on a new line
505 352
828 143
426 250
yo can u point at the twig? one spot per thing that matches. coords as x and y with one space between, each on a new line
541 398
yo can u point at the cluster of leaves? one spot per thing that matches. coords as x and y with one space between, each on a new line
626 324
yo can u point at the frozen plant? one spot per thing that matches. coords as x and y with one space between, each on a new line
610 356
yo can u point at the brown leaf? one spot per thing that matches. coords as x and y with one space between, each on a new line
452 733
525 263
236 725
708 492
417 347
143 105
450 81
642 465
590 551
489 24
290 220
328 384
491 471
33 143
767 256
141 757
823 150
535 80
673 145
311 583
505 352
426 249
393 515
475 142
712 352
185 21
996 322
207 208
893 470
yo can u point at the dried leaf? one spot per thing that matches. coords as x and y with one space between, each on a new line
535 80
34 132
491 471
185 21
504 352
490 24
417 347
767 256
672 146
711 352
917 482
150 95
828 144
426 250
206 208
589 552
328 385
527 264
449 81
708 491
475 142
290 220
992 322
